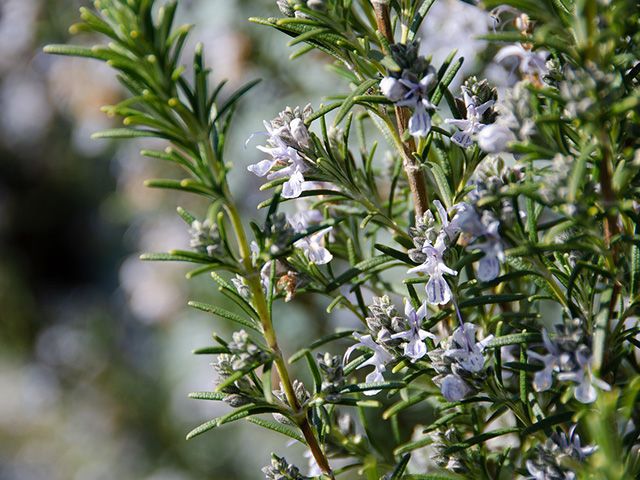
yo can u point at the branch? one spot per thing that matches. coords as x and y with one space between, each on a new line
412 168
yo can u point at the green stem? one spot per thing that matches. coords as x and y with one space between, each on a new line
260 303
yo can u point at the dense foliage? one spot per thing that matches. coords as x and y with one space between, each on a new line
491 256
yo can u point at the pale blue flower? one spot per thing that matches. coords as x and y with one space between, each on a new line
529 62
300 133
550 460
378 360
285 160
405 92
585 391
467 352
454 388
437 288
571 364
302 220
468 221
451 228
459 361
489 264
495 138
392 88
470 125
312 245
415 348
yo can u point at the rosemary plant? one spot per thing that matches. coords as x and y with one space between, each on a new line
492 263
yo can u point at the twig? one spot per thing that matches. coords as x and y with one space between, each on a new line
260 303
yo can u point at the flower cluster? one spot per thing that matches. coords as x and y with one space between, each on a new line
514 121
302 397
438 291
431 243
243 353
409 85
555 458
289 145
476 109
468 225
302 394
521 207
280 469
459 361
282 233
333 378
205 237
391 336
569 356
441 440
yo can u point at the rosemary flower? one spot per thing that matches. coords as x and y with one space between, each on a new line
437 288
495 138
551 458
313 244
408 91
472 123
569 357
415 348
409 85
529 62
287 143
378 360
459 361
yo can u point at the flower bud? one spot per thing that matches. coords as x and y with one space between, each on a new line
280 469
300 133
236 400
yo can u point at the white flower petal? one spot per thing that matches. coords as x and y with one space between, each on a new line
319 255
495 138
420 122
438 291
292 188
453 388
392 88
262 168
543 380
462 139
585 392
415 350
488 268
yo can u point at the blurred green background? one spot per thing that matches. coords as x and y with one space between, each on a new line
95 345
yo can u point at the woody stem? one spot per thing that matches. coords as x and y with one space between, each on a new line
412 168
